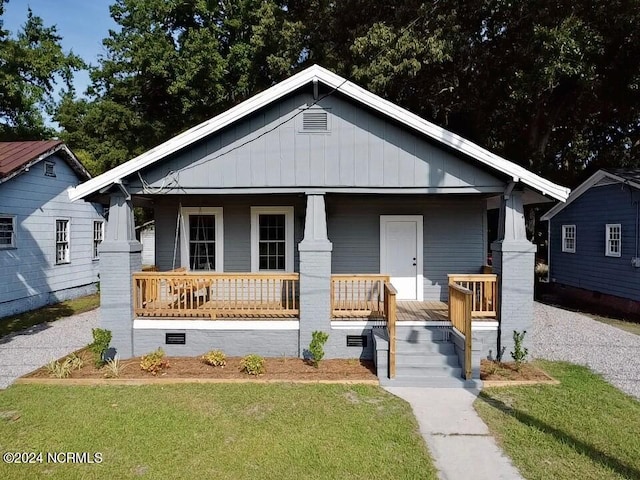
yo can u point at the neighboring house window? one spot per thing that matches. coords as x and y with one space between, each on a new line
569 238
202 245
50 169
614 240
62 242
272 239
98 236
7 231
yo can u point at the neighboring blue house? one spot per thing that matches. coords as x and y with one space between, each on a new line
317 205
48 245
593 240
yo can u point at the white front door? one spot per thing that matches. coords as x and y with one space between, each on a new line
401 254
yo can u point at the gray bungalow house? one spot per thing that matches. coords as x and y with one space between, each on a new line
317 205
48 244
594 241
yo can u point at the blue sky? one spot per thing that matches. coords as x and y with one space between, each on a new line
82 24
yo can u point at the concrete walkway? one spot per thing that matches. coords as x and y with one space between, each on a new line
458 439
27 350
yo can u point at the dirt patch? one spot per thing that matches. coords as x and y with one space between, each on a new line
277 369
507 371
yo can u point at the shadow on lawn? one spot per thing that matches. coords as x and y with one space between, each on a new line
32 322
578 445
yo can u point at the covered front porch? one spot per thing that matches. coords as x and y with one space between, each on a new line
208 295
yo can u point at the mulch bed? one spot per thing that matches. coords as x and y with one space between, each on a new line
277 369
496 373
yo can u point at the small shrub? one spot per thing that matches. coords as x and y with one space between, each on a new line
215 358
542 270
519 353
114 367
154 362
318 339
252 364
58 370
63 369
101 341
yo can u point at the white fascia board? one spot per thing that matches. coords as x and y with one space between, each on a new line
580 189
316 72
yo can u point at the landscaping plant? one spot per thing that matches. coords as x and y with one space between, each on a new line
520 352
154 362
252 364
215 358
101 341
318 339
63 369
113 367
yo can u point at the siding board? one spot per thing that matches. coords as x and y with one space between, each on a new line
589 267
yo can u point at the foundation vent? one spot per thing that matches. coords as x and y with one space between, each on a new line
175 338
356 340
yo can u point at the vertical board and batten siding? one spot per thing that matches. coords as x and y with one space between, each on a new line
29 273
589 268
453 234
236 213
361 149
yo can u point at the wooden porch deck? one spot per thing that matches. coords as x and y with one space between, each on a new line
433 311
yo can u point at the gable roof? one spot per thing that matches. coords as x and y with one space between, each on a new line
627 176
345 87
17 157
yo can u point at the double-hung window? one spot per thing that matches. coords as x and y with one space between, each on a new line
62 242
98 236
272 239
569 238
202 238
613 241
7 231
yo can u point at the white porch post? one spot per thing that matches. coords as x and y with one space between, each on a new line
120 257
315 272
513 261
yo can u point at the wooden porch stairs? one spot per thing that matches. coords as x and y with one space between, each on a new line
426 357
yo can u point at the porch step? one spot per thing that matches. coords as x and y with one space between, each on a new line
430 360
435 382
425 347
422 334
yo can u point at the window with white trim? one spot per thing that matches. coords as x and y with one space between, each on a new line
272 239
613 244
569 238
98 236
7 231
62 242
202 238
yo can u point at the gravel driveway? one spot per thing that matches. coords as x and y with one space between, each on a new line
564 335
27 350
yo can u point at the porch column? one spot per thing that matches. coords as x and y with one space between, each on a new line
315 273
120 257
513 261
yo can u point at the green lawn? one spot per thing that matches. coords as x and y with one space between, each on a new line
583 428
626 325
233 431
49 313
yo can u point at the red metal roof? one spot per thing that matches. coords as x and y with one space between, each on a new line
15 155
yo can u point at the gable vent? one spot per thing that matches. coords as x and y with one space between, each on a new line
315 122
356 340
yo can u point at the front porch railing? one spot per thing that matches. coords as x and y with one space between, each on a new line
213 295
390 315
460 302
483 287
359 295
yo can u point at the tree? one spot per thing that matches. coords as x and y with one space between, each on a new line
553 85
31 64
173 65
